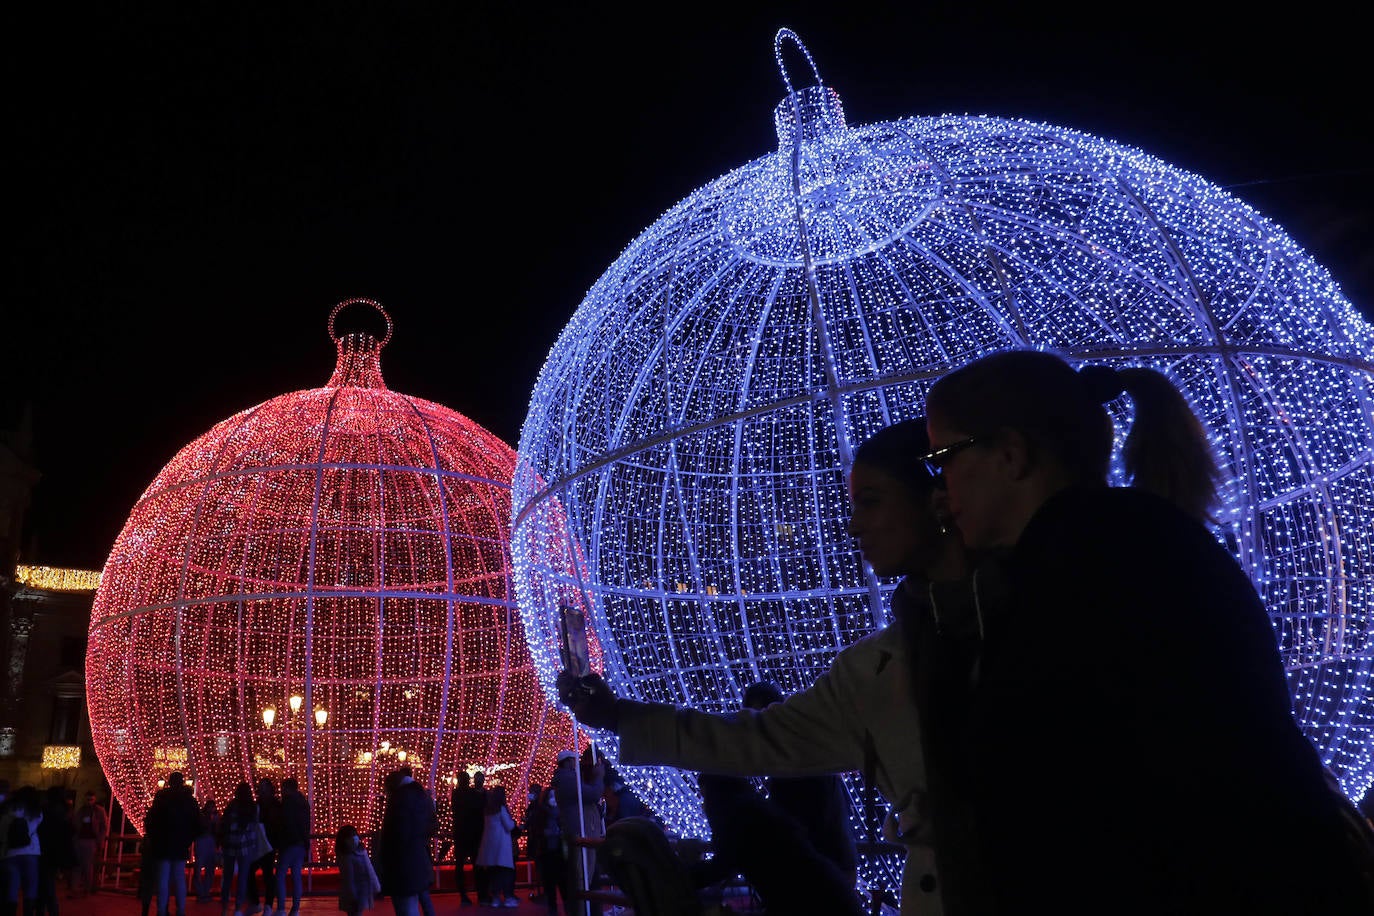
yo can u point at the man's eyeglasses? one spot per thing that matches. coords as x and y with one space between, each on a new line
935 461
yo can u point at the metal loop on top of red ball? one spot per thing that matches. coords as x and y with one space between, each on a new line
360 300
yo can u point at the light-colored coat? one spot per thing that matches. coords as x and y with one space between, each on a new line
358 883
863 700
496 848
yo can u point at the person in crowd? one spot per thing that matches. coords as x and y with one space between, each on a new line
389 785
170 828
270 813
819 804
610 799
754 837
358 882
532 792
1131 658
409 824
92 830
580 817
6 804
545 842
19 828
57 848
496 854
860 714
206 851
293 840
621 800
467 807
146 890
238 833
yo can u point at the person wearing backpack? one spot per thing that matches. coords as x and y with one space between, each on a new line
19 827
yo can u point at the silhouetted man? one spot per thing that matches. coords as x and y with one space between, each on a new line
169 829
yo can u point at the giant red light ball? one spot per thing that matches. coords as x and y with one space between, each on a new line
319 587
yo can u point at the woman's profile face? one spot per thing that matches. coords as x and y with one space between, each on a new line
892 522
977 497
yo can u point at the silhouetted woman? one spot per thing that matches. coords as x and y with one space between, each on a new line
860 714
1130 745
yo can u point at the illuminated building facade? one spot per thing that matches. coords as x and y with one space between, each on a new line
319 587
697 417
44 734
47 739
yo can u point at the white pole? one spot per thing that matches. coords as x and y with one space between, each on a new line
584 878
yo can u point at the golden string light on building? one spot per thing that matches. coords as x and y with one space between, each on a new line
61 756
56 579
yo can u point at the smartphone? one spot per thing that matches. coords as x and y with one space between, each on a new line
574 649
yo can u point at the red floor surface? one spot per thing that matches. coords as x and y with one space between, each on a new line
124 903
117 897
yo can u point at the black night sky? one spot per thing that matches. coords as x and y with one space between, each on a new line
193 187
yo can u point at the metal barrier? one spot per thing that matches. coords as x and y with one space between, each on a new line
117 866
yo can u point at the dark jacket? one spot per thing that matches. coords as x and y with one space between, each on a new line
588 821
172 823
754 837
943 627
541 823
293 820
821 806
57 838
469 807
270 813
209 823
1131 746
408 824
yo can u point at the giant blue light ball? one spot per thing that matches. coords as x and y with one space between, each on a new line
696 418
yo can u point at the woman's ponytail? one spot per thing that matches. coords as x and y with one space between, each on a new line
1060 411
1167 451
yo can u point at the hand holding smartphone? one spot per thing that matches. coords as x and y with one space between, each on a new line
573 623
